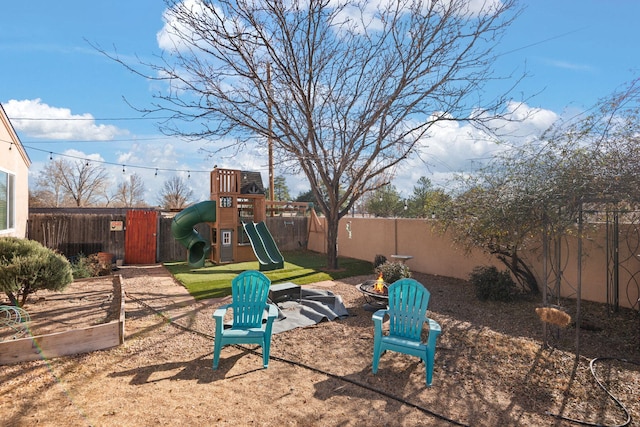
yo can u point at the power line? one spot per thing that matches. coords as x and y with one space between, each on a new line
80 119
557 36
93 141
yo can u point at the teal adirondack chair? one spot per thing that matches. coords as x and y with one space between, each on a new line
249 291
407 311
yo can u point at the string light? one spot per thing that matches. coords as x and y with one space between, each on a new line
124 166
123 171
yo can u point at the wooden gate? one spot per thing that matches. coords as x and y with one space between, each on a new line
140 237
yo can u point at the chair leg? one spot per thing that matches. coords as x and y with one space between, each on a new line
428 365
216 354
376 356
265 354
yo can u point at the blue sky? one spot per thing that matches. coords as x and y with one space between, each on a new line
574 51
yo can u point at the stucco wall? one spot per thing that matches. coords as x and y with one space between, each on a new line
14 160
434 253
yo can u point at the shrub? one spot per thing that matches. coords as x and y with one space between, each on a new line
491 284
85 266
26 267
392 271
379 260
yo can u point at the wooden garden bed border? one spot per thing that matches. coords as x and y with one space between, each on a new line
84 340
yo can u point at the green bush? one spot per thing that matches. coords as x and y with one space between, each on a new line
26 267
491 284
86 266
392 271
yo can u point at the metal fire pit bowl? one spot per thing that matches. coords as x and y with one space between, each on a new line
374 300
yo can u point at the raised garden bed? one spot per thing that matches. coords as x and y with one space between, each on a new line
89 315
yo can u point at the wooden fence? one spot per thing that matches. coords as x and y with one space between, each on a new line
91 230
72 234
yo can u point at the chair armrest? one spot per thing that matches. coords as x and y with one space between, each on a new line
434 326
434 332
378 316
271 316
221 311
273 311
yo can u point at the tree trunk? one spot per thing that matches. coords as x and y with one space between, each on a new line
332 242
13 299
520 271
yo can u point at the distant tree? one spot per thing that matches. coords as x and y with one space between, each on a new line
280 189
42 199
345 91
308 196
48 191
426 200
130 193
26 266
72 183
175 194
385 202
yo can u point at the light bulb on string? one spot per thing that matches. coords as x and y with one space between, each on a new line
156 174
188 174
50 155
123 171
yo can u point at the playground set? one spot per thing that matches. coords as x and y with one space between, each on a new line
236 215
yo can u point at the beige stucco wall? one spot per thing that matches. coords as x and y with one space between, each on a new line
434 253
14 160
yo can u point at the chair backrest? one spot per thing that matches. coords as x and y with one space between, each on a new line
249 291
408 302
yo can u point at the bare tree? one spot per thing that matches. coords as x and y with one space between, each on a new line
343 90
48 189
175 194
130 192
72 183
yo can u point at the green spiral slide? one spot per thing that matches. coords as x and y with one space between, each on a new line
183 231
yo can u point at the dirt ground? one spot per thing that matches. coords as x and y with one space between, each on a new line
491 366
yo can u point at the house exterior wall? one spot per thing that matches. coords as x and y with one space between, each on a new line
14 160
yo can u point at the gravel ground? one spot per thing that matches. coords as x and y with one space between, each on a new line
491 368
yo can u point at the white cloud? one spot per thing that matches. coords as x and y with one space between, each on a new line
156 163
454 148
33 118
173 33
81 155
450 148
367 14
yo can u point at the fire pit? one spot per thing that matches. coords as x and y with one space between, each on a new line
375 293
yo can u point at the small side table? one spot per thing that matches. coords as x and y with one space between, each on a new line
402 258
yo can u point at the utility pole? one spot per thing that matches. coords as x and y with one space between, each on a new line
269 139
